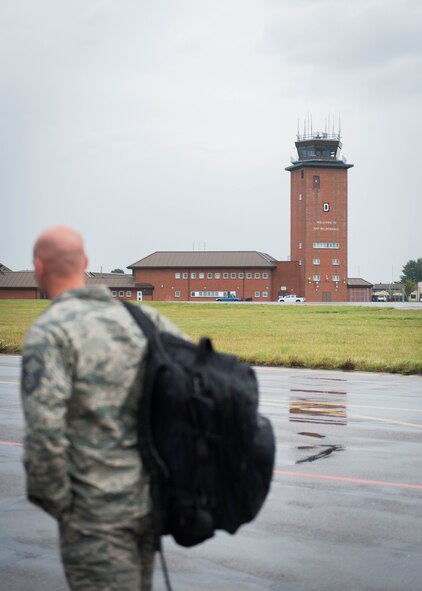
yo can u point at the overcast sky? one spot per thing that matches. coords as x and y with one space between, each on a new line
167 125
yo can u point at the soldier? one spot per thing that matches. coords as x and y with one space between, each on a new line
80 389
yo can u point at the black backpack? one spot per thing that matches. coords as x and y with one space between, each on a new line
209 453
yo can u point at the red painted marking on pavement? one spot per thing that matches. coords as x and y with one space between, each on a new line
10 443
347 479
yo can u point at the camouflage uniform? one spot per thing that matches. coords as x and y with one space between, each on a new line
80 388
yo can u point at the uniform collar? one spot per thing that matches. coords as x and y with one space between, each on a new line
94 292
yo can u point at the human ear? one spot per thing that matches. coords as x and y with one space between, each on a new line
39 269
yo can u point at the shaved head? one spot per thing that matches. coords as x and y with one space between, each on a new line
59 256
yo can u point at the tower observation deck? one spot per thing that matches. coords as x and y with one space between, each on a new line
320 150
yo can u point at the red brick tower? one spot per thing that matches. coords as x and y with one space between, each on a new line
318 222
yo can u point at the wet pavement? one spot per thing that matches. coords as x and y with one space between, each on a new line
344 511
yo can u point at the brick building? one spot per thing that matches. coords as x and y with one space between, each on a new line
359 290
318 213
23 285
19 285
202 276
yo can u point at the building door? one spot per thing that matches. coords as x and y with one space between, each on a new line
139 296
326 296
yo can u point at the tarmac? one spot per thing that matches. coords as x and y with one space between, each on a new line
344 511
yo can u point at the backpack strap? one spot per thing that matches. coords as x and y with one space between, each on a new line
146 324
150 330
152 334
146 443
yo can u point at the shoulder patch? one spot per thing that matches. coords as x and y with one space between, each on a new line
32 371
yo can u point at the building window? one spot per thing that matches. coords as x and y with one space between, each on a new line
265 294
336 261
177 275
300 262
316 261
336 278
316 277
128 294
113 294
326 207
201 275
248 275
217 275
185 275
326 245
264 275
300 196
300 245
177 294
241 275
193 275
209 275
257 275
301 174
225 275
316 182
121 294
257 294
208 294
233 275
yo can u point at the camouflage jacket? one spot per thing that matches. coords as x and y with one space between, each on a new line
80 389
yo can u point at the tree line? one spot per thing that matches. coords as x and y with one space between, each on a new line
411 275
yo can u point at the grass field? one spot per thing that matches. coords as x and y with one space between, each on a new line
342 337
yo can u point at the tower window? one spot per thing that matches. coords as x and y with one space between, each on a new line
301 174
326 207
316 182
326 245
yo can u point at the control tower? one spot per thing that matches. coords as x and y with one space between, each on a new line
318 216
